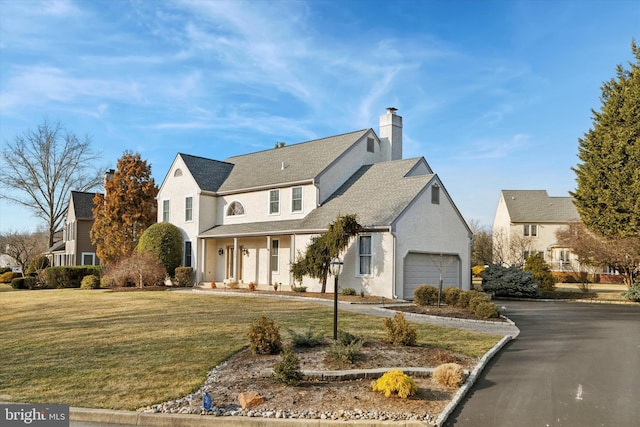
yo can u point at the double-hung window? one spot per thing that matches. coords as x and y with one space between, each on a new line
296 199
365 255
165 210
530 230
274 202
188 208
187 254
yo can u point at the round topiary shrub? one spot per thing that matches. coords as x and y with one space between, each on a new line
264 337
395 382
90 282
164 240
486 310
451 295
425 295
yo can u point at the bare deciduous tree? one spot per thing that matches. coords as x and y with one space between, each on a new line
23 246
41 168
482 250
510 250
622 254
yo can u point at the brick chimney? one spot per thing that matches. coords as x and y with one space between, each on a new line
391 132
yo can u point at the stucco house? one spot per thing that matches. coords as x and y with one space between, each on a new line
526 222
75 247
246 219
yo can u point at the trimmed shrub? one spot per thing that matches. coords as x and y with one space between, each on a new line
69 276
570 277
107 282
477 270
632 294
264 337
164 240
399 332
5 270
486 310
8 276
90 282
425 295
449 375
451 295
464 297
27 282
477 298
184 277
395 382
287 370
540 272
509 281
309 338
300 288
348 291
38 263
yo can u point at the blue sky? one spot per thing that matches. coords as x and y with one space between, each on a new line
494 94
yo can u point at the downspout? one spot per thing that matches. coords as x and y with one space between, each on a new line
394 263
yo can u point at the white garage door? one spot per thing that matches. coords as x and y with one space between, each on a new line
421 269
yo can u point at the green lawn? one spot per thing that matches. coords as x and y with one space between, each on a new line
125 350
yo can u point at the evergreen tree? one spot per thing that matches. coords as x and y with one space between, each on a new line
540 271
317 258
125 211
608 178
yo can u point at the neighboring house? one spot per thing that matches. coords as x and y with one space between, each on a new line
75 247
526 222
246 219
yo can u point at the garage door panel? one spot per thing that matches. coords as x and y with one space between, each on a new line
420 269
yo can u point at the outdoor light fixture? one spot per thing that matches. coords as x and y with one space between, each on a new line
336 268
220 251
245 252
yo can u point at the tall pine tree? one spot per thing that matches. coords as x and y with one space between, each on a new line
608 178
125 211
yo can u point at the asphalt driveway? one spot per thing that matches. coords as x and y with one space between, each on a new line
573 364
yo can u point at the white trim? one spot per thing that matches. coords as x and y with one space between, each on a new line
301 200
168 210
277 270
189 196
370 255
269 201
93 258
226 209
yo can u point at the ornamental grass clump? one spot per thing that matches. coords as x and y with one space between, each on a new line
449 375
395 382
264 337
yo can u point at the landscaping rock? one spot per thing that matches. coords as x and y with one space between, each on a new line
249 399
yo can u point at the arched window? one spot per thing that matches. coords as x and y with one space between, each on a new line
235 208
177 173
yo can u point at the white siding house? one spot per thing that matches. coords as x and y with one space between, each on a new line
526 221
247 218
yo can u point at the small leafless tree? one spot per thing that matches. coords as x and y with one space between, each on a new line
41 168
510 250
23 246
622 254
482 250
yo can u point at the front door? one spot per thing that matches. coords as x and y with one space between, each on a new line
231 257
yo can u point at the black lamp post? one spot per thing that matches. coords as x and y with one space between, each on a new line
336 268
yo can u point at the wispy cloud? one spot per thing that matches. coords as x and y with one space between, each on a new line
497 148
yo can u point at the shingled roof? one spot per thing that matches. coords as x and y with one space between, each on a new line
209 174
376 193
535 206
83 204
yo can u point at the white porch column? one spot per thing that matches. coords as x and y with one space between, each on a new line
203 256
235 258
269 276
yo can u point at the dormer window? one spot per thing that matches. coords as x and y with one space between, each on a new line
235 208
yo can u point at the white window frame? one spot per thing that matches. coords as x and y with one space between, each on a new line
293 200
275 254
361 255
166 210
235 215
188 211
271 211
91 254
530 230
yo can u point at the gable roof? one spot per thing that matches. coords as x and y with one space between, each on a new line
209 174
83 204
376 193
537 206
302 162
